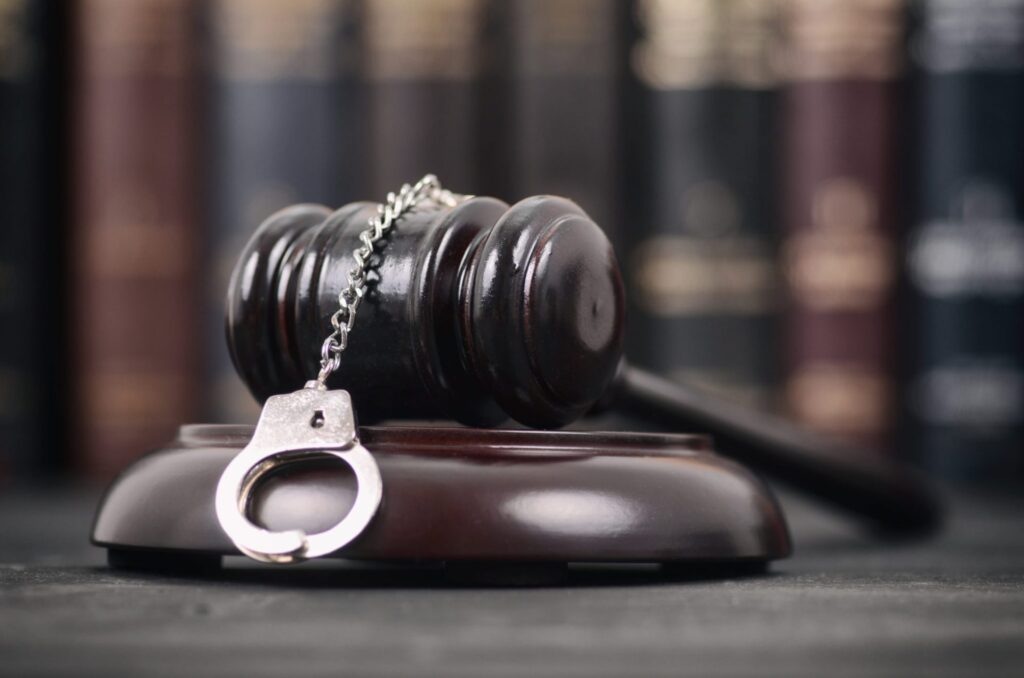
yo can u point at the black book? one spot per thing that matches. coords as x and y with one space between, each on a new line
288 126
965 253
562 60
700 266
32 353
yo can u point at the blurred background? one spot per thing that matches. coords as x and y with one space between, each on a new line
817 204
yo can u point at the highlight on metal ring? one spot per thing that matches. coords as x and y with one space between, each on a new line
242 475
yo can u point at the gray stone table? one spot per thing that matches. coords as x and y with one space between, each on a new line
843 605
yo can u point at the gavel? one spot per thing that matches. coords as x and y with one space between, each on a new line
481 312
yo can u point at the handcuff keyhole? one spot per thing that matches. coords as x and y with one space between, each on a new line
318 419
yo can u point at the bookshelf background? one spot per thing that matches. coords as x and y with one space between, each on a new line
817 204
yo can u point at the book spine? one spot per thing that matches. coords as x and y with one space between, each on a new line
965 251
840 221
423 62
700 264
31 137
134 243
287 127
495 115
563 77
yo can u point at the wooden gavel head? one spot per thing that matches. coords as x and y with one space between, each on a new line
476 312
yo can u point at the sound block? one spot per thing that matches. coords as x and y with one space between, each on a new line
459 495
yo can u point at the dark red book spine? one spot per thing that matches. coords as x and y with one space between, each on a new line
134 252
839 214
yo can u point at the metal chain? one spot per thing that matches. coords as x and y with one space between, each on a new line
426 190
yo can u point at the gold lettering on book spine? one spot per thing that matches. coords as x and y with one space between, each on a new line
688 44
678 47
710 266
676 275
843 263
836 39
272 39
565 37
16 49
425 39
841 399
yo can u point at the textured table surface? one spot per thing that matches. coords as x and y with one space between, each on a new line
842 605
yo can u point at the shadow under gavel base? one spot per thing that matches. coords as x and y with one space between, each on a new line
458 495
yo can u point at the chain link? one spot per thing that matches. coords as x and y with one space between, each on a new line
427 190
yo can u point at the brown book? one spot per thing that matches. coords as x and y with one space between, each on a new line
839 222
422 61
134 238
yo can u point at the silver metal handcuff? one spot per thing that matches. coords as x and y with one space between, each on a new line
317 422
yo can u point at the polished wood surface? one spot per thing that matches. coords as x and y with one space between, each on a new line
482 312
466 495
477 312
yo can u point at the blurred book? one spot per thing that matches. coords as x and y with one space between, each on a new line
964 333
843 65
287 124
561 104
700 265
33 338
423 63
135 239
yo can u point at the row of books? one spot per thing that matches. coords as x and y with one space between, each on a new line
817 204
829 216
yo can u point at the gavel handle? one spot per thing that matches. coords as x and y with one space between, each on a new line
888 494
